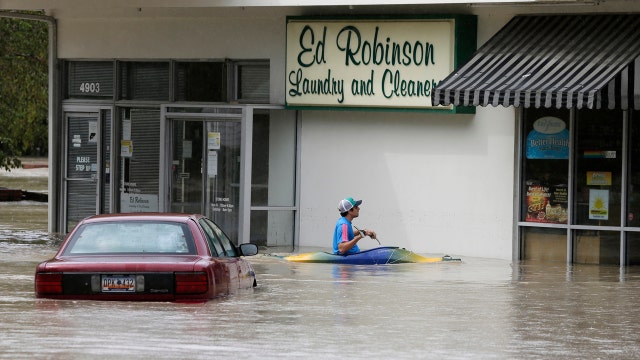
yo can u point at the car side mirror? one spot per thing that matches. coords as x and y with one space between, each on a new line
248 249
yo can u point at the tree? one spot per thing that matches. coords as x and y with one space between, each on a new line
23 89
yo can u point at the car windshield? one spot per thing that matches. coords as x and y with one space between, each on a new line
131 237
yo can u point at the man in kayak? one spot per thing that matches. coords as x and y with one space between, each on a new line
344 240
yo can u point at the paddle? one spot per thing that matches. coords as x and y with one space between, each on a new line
365 235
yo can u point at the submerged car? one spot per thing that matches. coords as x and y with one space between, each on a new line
146 257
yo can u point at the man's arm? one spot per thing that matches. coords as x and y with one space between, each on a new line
345 246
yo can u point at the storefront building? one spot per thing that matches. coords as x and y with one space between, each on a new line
264 117
574 81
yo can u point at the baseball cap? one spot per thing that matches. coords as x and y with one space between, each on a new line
347 204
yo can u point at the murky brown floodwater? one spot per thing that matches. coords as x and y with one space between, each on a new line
479 309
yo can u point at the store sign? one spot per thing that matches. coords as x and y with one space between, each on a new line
549 139
132 202
368 63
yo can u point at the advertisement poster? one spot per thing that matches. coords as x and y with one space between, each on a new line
556 209
538 197
598 204
549 139
547 204
599 178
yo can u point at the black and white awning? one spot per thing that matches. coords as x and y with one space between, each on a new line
561 61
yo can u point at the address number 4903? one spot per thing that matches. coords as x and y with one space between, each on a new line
90 87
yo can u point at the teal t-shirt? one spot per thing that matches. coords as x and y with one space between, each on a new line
343 232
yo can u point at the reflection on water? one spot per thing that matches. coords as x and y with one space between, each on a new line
477 309
23 215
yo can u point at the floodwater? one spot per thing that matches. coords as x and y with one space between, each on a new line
477 309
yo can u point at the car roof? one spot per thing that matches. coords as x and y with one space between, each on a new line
157 216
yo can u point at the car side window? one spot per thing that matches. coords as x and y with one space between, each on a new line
229 249
212 240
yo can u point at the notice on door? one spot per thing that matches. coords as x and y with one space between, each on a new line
222 204
126 148
213 140
187 149
93 131
212 163
598 204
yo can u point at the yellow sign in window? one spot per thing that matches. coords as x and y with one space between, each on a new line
599 178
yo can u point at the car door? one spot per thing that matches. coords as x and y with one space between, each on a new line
224 253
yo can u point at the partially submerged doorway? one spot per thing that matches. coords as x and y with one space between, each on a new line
205 169
236 164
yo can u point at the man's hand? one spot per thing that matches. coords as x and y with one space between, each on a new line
371 233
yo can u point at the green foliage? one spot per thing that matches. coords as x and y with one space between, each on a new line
23 89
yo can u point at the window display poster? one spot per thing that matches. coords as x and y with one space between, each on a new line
538 197
546 204
599 178
556 208
549 139
598 204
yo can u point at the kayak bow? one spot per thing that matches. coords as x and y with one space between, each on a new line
376 256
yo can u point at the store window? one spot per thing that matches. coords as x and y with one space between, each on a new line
273 178
633 191
546 166
600 247
252 81
147 81
598 175
572 186
633 248
633 187
544 244
139 159
89 80
201 81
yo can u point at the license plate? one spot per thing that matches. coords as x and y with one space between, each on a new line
118 283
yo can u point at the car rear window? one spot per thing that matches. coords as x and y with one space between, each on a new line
131 237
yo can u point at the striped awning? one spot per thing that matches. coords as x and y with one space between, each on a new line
561 61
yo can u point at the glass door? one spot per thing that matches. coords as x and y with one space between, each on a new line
598 186
186 167
205 170
81 170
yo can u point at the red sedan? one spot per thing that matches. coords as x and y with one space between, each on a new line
146 257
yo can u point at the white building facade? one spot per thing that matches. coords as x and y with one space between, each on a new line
184 106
